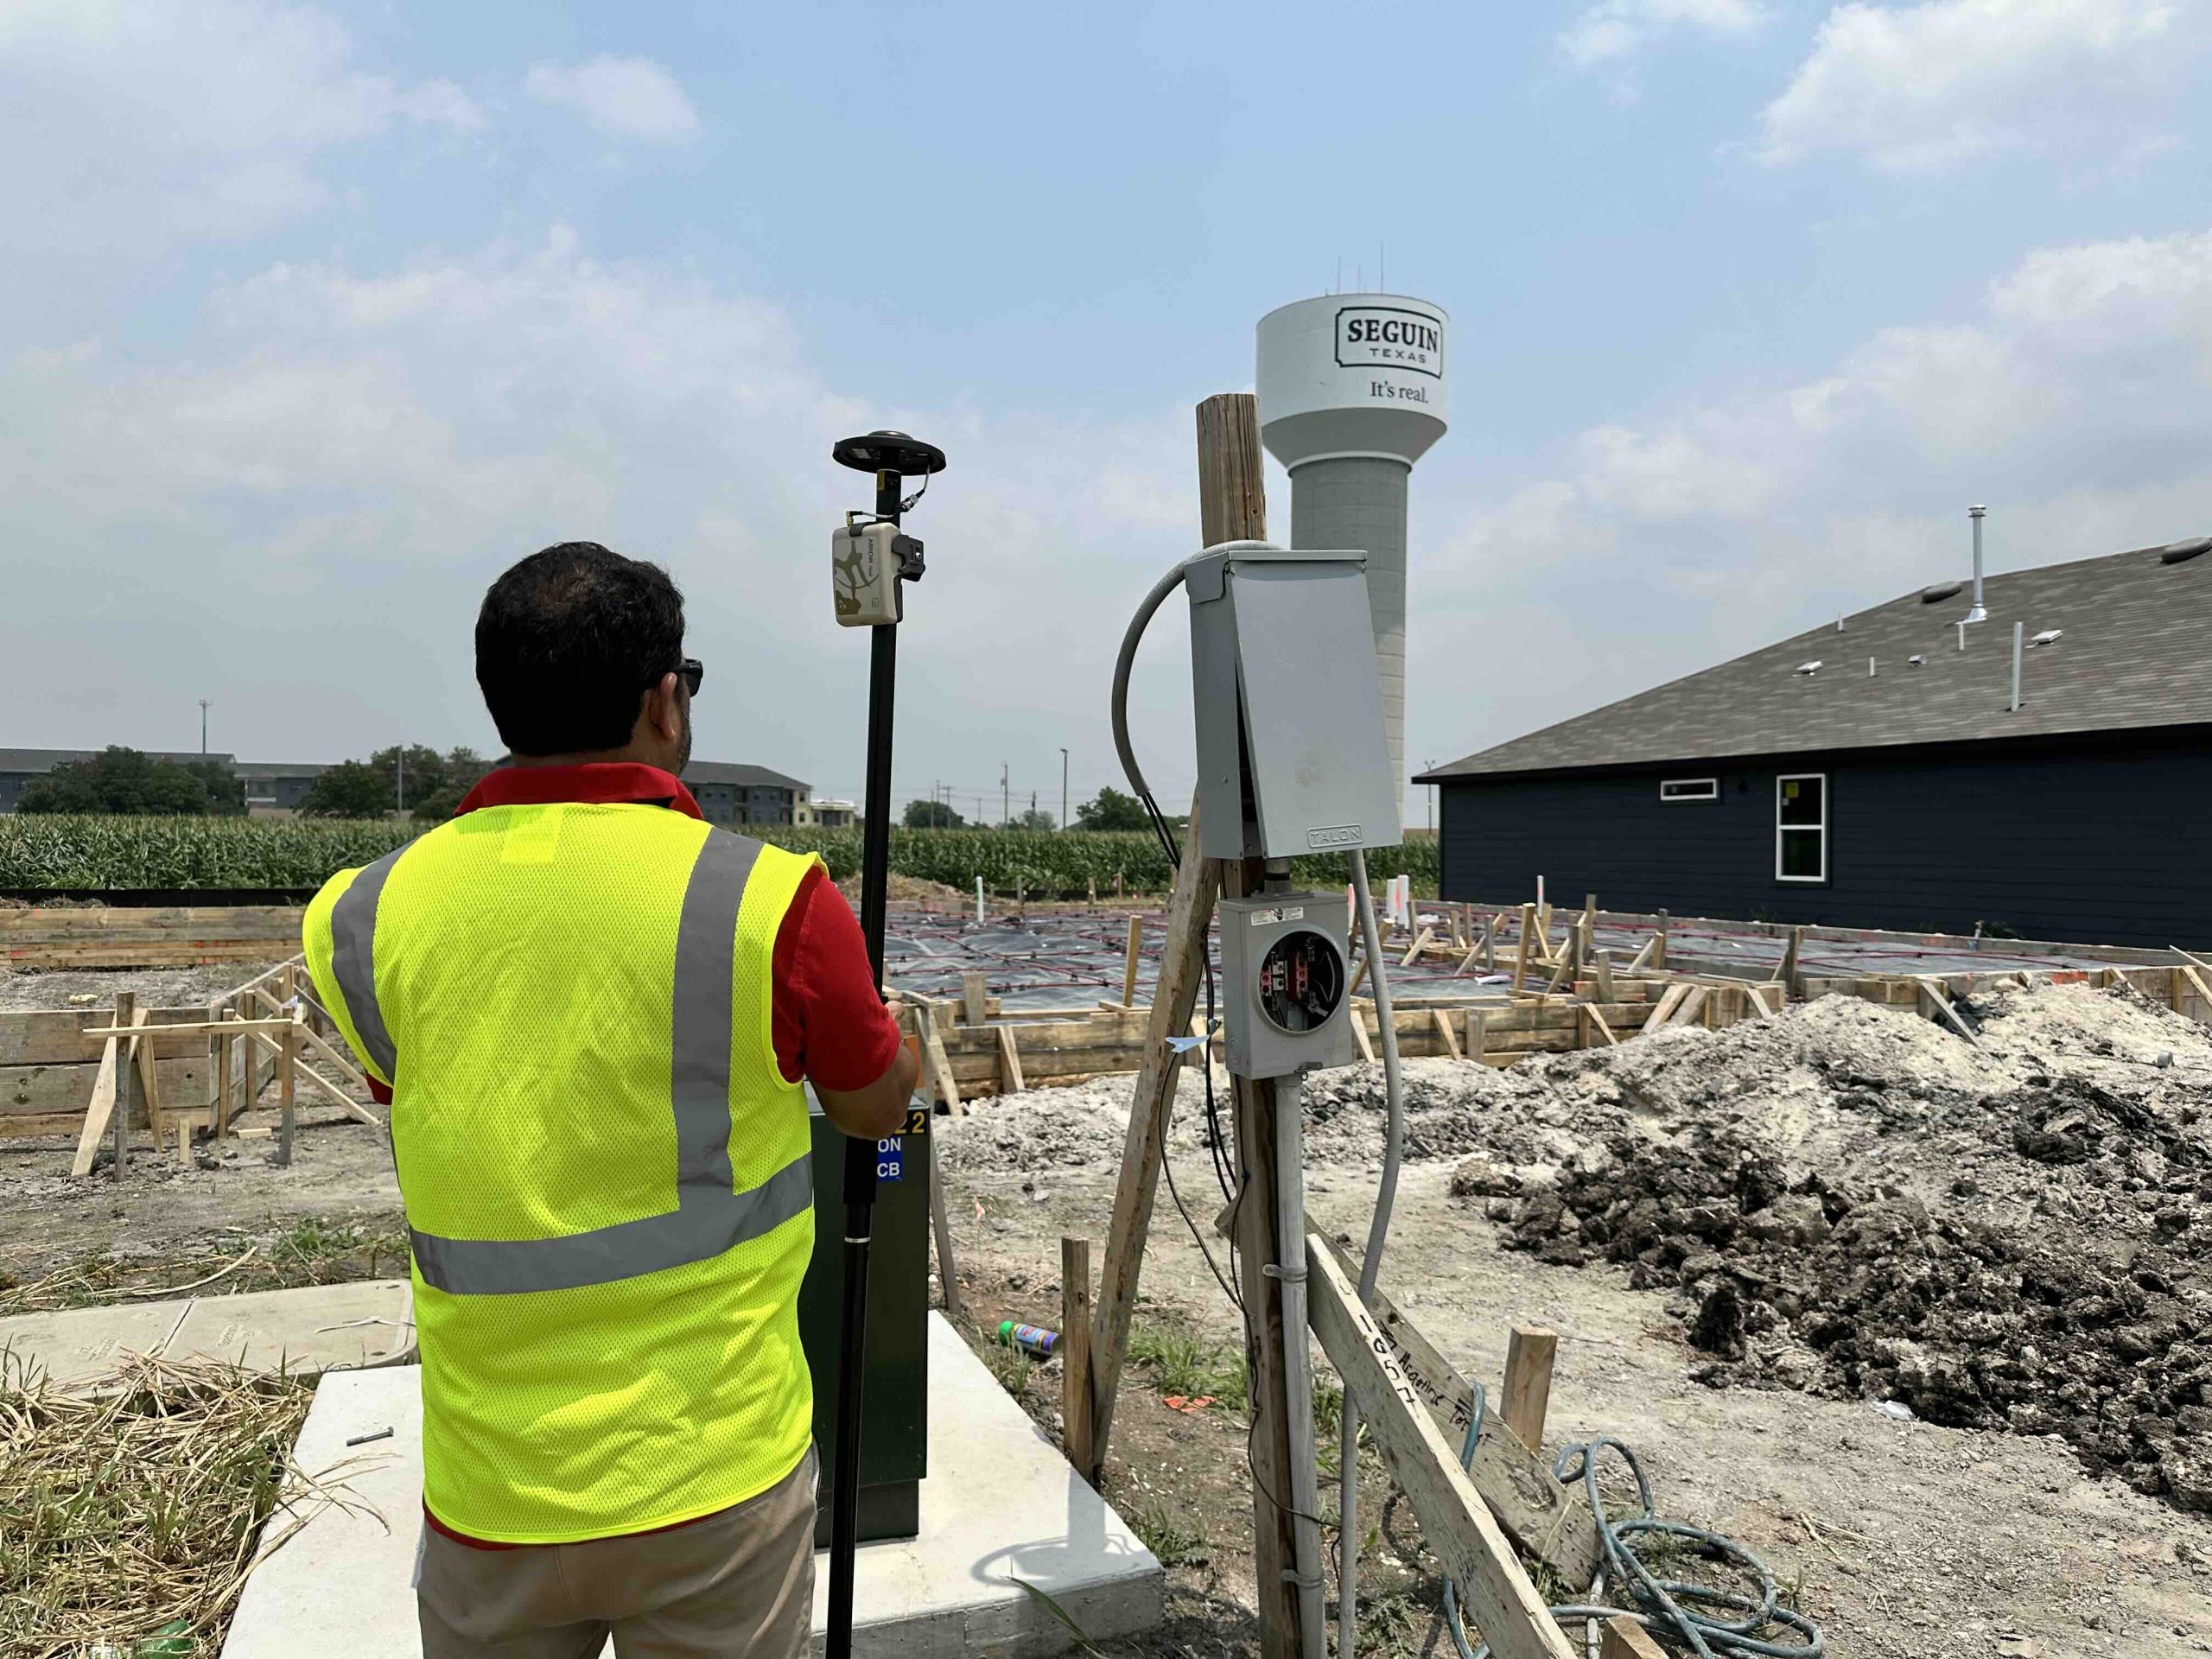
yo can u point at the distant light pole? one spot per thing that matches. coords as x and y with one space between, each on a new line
399 778
203 727
1430 766
1006 798
1063 789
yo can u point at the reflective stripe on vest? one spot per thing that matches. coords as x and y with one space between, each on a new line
709 1217
352 960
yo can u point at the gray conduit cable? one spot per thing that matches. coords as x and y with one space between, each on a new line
1370 1265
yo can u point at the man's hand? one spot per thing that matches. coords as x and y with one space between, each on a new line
880 1109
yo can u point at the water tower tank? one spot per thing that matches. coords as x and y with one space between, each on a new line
1351 393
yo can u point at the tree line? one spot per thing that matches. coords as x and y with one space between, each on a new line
127 783
1108 809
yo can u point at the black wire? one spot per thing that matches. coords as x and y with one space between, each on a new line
1168 1168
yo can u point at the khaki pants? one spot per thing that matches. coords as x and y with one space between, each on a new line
738 1582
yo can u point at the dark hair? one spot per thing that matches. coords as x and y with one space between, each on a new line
567 640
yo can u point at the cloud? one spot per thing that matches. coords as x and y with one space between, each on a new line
131 126
624 97
1914 88
2072 399
1617 28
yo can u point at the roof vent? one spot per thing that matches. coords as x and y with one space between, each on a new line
2047 636
2181 552
1936 592
1808 668
1915 660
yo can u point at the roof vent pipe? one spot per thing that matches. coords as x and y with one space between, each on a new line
2017 629
1977 612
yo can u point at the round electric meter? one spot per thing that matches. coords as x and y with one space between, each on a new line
1301 980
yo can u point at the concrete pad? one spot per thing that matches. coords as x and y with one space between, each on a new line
1000 1503
81 1342
313 1328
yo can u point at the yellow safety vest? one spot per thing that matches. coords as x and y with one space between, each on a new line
607 1181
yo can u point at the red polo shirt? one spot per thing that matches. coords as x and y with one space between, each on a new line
829 1021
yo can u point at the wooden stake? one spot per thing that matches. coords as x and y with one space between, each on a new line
1010 1078
99 1113
1602 963
1420 943
1444 1030
226 1082
1659 957
1528 1355
975 1000
184 1142
1623 1638
1521 956
1786 973
1359 1033
1476 1024
1454 1521
127 1007
1130 962
948 1274
288 1063
1075 1348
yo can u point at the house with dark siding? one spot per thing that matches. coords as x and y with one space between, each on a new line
1878 771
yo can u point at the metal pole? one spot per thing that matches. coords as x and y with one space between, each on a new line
2017 629
203 726
859 1155
1063 789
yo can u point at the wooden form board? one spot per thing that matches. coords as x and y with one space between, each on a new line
1455 1521
1546 1519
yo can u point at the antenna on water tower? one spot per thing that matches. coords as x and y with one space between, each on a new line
1351 393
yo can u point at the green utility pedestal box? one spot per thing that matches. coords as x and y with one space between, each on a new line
894 1401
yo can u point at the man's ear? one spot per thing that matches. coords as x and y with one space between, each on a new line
665 709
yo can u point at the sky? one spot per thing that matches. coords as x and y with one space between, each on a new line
314 318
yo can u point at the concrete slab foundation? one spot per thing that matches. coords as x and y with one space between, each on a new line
1000 1504
313 1328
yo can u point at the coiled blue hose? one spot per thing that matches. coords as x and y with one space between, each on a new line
1658 1602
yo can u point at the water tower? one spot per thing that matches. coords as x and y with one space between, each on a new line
1351 394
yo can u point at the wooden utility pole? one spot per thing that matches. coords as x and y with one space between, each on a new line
1232 506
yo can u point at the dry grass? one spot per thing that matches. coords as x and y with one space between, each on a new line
309 1251
130 1510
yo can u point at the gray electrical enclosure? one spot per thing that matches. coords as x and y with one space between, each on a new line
1288 696
1286 983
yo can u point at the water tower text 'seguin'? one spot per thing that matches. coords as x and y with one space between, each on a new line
1352 392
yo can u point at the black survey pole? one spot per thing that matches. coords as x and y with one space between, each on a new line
893 455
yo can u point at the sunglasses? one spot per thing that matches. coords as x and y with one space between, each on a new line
691 671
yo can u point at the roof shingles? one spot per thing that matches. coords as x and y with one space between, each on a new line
2138 633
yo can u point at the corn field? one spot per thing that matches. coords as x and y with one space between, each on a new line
1065 863
41 851
57 852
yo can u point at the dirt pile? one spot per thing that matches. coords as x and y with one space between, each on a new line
2019 1237
2016 1233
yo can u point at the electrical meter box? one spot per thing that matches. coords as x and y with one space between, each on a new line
895 1388
866 563
1294 757
1286 982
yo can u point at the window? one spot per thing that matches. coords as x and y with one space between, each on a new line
1801 828
1689 789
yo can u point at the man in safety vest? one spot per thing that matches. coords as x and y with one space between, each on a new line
592 1014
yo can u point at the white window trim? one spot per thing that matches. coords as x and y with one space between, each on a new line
1820 777
1712 786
